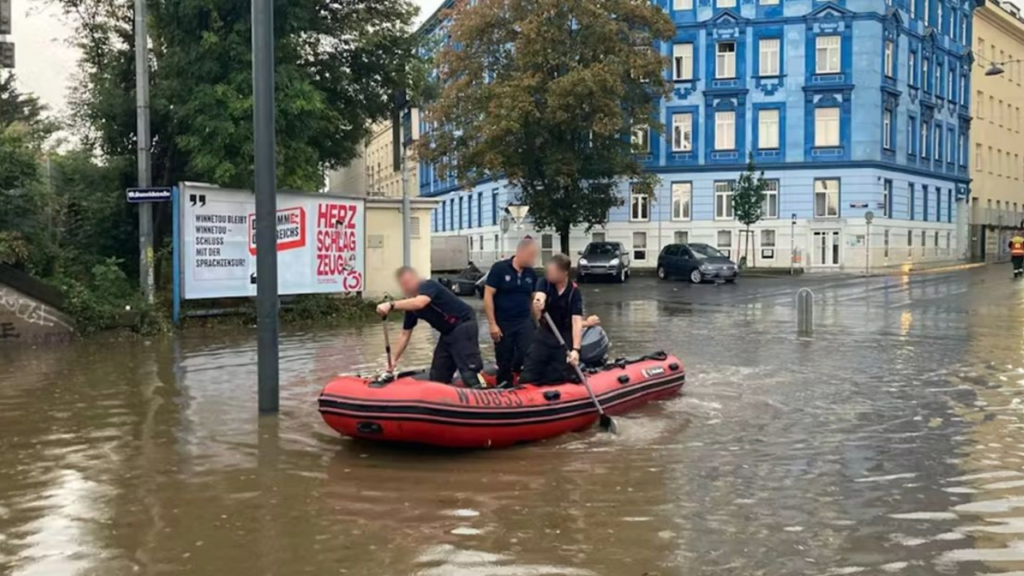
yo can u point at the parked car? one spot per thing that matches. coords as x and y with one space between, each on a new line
465 284
603 260
696 262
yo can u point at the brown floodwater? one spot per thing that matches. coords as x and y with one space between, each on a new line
891 443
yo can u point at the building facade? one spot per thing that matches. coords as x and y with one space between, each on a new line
849 107
372 173
997 172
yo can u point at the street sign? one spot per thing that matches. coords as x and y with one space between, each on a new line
518 212
139 195
505 223
869 216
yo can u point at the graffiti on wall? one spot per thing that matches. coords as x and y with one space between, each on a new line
26 320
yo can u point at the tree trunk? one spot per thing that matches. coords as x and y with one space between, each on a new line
563 240
746 248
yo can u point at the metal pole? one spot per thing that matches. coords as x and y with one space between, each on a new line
805 312
867 247
406 213
266 203
142 142
792 245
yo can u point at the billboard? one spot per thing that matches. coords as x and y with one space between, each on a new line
320 243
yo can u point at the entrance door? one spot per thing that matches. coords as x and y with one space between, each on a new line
826 248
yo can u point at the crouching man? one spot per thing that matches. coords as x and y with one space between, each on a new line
458 348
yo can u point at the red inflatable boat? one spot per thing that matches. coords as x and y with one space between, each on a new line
412 410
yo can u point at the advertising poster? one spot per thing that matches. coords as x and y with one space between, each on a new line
320 243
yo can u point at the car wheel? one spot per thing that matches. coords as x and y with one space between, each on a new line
730 281
661 273
696 277
622 276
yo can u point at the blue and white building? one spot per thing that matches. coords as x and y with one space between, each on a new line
849 107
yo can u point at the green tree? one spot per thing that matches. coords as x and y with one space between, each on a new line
748 201
546 93
338 64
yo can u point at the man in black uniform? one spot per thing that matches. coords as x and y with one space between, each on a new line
547 362
458 348
507 303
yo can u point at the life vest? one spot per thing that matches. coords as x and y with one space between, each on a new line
1017 246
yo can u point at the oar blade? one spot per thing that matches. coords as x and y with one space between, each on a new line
608 425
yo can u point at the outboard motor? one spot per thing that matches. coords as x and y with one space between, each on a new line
594 346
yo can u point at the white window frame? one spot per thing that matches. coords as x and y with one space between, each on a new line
682 61
641 139
769 241
924 139
718 242
682 201
681 237
887 129
724 189
823 187
725 3
682 5
639 253
725 61
682 131
826 127
639 205
768 128
725 130
828 54
886 197
769 52
770 206
889 58
937 143
911 68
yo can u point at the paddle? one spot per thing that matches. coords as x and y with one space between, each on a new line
387 349
606 422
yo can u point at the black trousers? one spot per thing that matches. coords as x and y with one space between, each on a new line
511 350
458 350
546 362
1018 263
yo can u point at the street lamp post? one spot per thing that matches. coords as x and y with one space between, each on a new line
792 244
142 145
868 217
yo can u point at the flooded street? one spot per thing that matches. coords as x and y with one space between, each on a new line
891 443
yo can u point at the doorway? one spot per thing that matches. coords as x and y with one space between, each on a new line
826 248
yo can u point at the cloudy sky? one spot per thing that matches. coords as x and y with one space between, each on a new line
45 60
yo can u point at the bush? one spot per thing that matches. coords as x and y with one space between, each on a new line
109 300
324 308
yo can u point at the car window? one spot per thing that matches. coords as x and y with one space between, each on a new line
671 250
702 251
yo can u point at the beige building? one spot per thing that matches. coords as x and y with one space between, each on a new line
997 173
372 173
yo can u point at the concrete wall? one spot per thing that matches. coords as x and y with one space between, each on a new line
384 243
26 320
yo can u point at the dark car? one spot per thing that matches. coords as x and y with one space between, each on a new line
604 260
697 262
466 283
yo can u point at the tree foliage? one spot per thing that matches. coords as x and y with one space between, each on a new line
545 93
337 65
748 200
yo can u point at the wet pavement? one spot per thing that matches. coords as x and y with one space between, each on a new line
890 443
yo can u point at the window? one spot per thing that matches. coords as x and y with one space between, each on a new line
886 198
639 246
979 105
682 61
887 129
724 242
937 141
911 68
768 61
939 19
827 54
950 83
924 200
494 208
910 242
460 212
597 237
770 207
682 132
924 74
682 193
639 205
826 198
547 247
912 8
681 237
991 160
925 12
726 3
682 4
469 212
924 138
963 30
768 129
723 200
911 134
889 58
641 140
885 242
979 164
725 130
913 200
725 59
768 244
826 127
938 205
950 146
